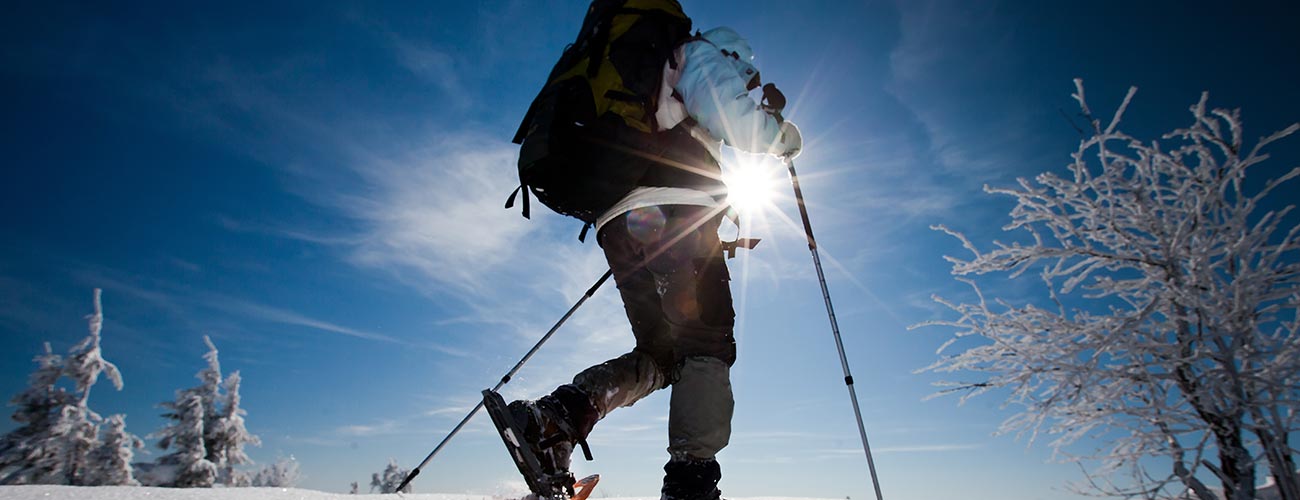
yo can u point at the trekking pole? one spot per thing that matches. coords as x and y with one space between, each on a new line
774 102
835 326
506 378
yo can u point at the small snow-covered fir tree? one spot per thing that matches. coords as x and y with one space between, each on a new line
1170 329
209 393
78 430
188 461
388 480
30 454
283 473
232 435
221 430
84 364
59 430
110 463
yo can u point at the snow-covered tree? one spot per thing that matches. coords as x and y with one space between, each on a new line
59 431
221 430
388 480
281 474
1169 326
77 429
184 437
209 393
84 364
110 463
230 436
30 454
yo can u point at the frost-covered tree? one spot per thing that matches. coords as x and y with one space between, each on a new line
77 429
1169 324
110 463
281 474
30 454
231 435
187 461
220 432
59 431
388 480
84 364
209 393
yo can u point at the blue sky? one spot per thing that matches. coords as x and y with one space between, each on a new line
318 187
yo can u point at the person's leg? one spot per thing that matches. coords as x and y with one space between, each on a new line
699 425
567 415
697 307
670 272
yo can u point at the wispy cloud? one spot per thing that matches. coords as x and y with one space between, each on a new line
181 301
259 312
281 231
458 410
931 448
975 122
434 66
383 427
436 216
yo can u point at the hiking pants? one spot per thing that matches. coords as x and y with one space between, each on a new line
672 276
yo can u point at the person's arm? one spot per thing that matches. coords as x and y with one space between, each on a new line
715 95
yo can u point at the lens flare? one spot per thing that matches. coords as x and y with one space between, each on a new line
751 186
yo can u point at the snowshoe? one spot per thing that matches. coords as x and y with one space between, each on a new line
544 478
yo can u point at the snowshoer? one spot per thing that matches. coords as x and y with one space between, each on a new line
658 228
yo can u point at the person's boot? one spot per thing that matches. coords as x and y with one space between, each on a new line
553 424
691 479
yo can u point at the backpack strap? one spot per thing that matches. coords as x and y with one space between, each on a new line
510 202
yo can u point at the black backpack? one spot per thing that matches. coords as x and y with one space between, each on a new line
590 136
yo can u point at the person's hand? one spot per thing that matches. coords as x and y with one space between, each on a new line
791 143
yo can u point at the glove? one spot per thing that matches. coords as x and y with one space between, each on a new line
791 143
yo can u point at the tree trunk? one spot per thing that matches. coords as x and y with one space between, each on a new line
1236 469
1235 466
1280 463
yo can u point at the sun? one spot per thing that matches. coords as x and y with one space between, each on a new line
751 185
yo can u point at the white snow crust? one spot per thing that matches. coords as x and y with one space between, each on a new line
45 492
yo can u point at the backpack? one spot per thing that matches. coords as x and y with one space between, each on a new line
590 136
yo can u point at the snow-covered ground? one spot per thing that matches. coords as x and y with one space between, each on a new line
45 492
135 493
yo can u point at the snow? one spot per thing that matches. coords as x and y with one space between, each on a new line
151 493
137 492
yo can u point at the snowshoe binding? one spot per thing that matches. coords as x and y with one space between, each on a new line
539 447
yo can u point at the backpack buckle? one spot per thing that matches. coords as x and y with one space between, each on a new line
729 247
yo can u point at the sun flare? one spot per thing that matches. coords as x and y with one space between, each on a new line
751 186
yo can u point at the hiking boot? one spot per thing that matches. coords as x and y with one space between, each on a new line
553 424
691 479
